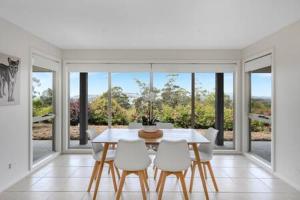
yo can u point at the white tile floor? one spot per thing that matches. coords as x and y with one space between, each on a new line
67 178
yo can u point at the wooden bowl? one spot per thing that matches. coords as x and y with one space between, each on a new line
150 135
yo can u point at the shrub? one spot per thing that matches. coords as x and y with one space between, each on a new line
98 113
204 115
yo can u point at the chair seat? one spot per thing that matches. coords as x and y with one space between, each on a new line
109 156
203 156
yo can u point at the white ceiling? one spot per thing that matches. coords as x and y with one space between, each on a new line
151 24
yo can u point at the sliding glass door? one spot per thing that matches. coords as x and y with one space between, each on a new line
260 133
205 106
96 88
43 110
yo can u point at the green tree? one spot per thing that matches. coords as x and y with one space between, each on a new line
47 97
99 111
173 94
118 95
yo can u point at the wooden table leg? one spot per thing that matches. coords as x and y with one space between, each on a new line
106 145
197 156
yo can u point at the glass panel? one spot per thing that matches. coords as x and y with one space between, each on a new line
261 87
228 111
129 93
172 102
205 85
42 106
260 134
97 105
42 135
42 93
260 106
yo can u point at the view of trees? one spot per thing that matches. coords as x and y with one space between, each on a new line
171 103
42 103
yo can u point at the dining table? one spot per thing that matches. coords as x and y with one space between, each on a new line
111 136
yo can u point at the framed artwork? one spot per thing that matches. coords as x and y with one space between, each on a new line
9 80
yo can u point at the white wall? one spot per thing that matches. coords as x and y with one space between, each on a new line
286 44
14 120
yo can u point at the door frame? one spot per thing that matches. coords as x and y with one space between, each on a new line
57 105
246 102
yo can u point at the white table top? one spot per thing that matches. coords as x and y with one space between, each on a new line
113 135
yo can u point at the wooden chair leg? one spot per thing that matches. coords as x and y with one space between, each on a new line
185 172
118 173
142 182
146 173
159 182
204 169
181 177
212 176
122 180
192 177
111 166
162 185
93 176
96 172
155 173
145 181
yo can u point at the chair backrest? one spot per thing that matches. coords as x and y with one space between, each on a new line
173 156
132 155
162 125
211 135
92 134
135 125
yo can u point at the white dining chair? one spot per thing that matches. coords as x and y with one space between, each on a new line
132 158
172 158
97 150
206 155
135 125
162 125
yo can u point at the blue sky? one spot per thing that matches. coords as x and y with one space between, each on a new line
98 82
261 84
45 79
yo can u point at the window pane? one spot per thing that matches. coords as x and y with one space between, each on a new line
173 98
228 111
205 85
260 109
97 105
42 106
261 83
42 93
42 135
129 93
260 134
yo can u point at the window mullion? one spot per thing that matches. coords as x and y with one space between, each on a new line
109 101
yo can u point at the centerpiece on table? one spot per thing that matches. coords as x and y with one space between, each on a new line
150 130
